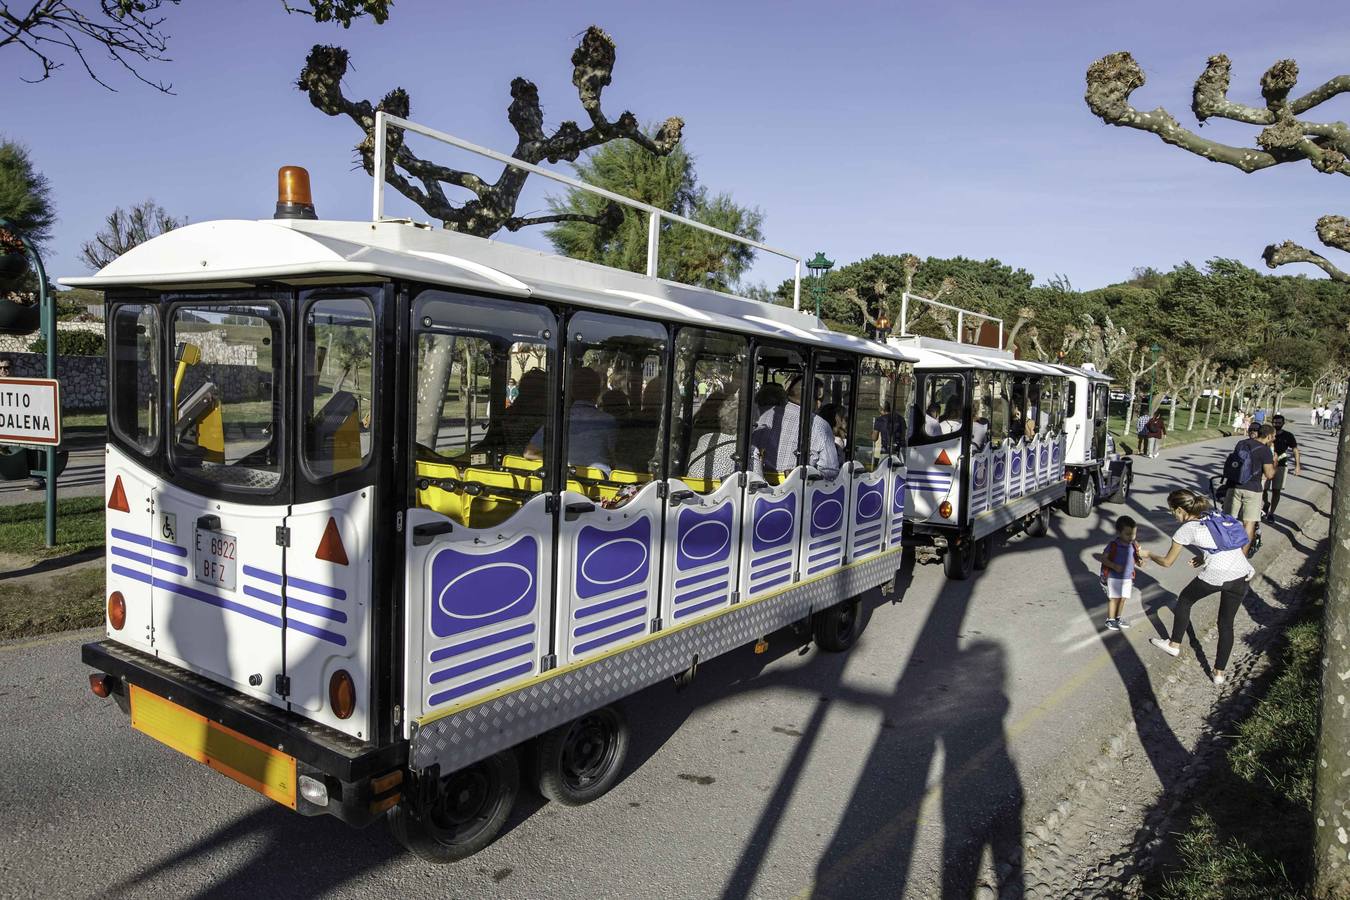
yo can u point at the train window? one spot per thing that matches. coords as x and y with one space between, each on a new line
615 396
776 439
472 434
982 402
998 407
904 402
834 386
135 375
1071 398
226 402
878 429
338 407
707 405
1037 416
1017 408
1058 420
941 407
1100 405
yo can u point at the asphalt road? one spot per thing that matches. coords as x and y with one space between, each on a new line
82 477
885 772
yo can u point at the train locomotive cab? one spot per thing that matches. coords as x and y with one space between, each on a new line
1094 468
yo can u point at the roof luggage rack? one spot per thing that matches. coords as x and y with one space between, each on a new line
961 314
384 121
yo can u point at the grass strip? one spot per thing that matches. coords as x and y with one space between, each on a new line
67 600
79 526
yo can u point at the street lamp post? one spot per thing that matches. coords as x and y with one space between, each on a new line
819 267
49 335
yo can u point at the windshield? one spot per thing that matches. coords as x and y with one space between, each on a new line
226 402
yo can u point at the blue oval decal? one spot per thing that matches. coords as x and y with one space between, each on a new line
770 535
613 556
486 591
710 533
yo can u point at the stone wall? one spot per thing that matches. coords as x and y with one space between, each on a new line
84 380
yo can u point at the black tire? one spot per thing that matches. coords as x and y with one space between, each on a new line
984 549
580 761
837 628
469 810
1081 500
1040 523
1122 494
959 561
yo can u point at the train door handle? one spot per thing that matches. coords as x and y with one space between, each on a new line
422 534
812 477
208 523
759 487
679 497
572 510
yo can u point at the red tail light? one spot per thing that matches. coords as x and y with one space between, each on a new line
945 509
117 610
101 684
342 694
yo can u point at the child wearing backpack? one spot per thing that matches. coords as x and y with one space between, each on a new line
1119 560
1246 469
1223 570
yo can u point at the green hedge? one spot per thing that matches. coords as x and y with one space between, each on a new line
73 343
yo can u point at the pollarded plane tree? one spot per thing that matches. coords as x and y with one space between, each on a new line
1286 135
491 204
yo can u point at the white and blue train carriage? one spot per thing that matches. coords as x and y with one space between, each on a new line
388 504
996 442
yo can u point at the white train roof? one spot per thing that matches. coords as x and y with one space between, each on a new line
239 253
937 354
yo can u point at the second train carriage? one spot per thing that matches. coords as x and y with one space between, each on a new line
387 505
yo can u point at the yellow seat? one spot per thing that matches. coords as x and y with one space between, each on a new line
775 478
521 464
621 476
703 485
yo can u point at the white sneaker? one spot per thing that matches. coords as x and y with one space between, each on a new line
1219 679
1121 623
1113 624
1164 646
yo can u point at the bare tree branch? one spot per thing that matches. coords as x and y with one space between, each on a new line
1283 254
493 205
130 31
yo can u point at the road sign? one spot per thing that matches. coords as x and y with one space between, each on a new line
30 411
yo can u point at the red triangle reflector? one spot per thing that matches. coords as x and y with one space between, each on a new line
943 459
118 498
330 545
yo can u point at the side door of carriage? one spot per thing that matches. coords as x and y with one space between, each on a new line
479 535
705 490
771 523
828 490
608 553
219 558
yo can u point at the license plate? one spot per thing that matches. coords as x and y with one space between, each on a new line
251 763
216 559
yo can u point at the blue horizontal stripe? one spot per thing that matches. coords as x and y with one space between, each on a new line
472 686
596 608
482 663
624 616
298 605
772 570
262 595
294 582
772 557
760 588
121 535
832 554
867 529
690 610
719 588
704 576
821 568
203 596
315 631
147 561
863 551
827 542
609 638
484 641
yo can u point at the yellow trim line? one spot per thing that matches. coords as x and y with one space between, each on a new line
428 718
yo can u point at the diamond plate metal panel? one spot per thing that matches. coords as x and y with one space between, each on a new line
467 736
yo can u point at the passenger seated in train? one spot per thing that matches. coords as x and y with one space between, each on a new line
951 416
979 426
886 428
511 431
591 434
638 447
774 440
932 427
714 455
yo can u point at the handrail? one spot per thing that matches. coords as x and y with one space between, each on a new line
960 316
654 215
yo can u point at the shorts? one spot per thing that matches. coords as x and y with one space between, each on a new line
1243 505
1119 587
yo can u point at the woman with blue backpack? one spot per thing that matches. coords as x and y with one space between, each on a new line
1224 570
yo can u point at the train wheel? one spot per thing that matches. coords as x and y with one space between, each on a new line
1040 523
468 810
959 560
580 761
984 549
1082 500
838 627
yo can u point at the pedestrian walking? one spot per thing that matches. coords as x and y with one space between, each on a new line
1246 470
1336 415
1156 431
1223 570
1326 418
1239 422
1316 416
1286 451
1119 560
1141 429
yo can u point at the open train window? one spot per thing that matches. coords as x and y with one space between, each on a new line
776 437
941 409
878 428
707 407
833 378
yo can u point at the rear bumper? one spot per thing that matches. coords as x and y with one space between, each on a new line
345 765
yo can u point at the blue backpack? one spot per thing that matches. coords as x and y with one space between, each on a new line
1228 533
1237 468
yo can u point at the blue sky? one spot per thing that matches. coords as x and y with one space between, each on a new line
858 128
